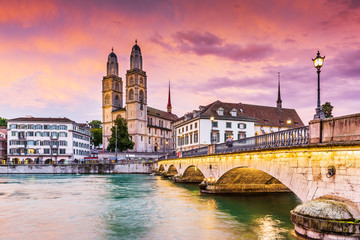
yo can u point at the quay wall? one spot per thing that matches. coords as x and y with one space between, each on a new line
77 168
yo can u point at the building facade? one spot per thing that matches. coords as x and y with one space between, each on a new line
3 144
47 140
150 128
236 120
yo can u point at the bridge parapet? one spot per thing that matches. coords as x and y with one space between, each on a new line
337 129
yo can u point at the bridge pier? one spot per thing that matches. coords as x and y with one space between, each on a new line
326 218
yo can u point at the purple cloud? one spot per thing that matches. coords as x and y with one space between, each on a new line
209 44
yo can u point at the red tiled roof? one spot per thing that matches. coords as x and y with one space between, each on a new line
263 115
161 114
40 119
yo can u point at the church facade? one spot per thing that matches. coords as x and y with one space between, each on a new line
150 128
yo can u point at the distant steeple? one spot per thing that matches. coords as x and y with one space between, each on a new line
169 101
279 102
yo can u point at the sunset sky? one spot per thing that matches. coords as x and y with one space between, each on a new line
53 53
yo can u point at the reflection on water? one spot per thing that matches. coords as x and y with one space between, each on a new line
134 207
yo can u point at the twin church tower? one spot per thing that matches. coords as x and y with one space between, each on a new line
149 128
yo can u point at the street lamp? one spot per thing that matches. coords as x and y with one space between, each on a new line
212 128
318 62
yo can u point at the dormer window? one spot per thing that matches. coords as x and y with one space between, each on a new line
233 113
220 111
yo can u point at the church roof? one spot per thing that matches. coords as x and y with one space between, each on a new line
262 115
161 114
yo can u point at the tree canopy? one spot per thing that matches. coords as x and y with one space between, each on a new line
123 137
95 124
96 136
3 122
327 109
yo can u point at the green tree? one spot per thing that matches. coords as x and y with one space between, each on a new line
95 124
3 122
96 136
327 109
123 137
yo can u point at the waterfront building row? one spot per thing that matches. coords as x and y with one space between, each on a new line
47 140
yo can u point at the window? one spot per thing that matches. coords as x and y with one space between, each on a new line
116 86
196 137
228 125
242 125
63 134
220 111
63 127
186 128
141 80
54 127
31 126
149 130
215 124
62 151
191 138
149 140
131 94
38 126
241 135
131 80
190 126
30 134
141 138
141 96
46 150
187 139
233 113
13 133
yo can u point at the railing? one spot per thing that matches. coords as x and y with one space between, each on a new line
292 137
195 152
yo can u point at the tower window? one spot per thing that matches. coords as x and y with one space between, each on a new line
131 80
116 86
141 96
141 81
107 99
131 94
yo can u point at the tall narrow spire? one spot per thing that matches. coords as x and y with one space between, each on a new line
169 101
279 102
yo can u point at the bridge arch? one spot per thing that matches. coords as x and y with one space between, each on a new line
172 171
192 174
161 168
248 180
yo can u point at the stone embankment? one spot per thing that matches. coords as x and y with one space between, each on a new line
99 168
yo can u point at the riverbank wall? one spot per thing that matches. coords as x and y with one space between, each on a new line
98 168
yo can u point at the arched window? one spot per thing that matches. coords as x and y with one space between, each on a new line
116 86
141 81
116 99
107 99
131 94
141 96
131 80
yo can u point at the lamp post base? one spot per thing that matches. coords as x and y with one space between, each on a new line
319 113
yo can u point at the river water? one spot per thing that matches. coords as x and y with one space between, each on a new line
134 207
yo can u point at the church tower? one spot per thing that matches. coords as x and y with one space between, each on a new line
112 95
136 100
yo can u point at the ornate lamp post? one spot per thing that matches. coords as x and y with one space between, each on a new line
212 128
318 62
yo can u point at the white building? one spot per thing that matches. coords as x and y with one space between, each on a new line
47 140
231 119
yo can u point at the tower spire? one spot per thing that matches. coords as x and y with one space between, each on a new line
169 101
279 102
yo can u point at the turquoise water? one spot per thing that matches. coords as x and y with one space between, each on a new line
134 207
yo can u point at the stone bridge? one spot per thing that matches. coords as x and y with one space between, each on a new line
326 165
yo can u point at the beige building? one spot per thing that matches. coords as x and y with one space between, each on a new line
150 128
